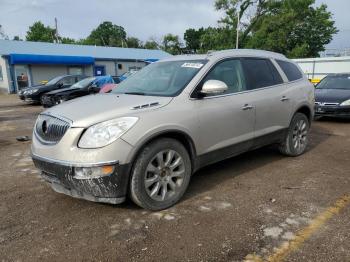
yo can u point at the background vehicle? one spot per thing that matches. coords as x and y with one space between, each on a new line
107 88
149 135
332 96
125 76
35 93
84 87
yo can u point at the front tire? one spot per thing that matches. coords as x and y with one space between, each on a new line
160 175
297 138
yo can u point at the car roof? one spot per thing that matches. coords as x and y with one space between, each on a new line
228 53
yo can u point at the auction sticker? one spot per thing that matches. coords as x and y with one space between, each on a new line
192 65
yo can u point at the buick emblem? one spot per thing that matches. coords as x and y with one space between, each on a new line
44 127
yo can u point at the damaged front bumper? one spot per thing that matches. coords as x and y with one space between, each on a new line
63 178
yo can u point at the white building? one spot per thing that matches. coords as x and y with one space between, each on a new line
25 63
318 68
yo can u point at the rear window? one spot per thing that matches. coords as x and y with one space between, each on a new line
291 71
260 73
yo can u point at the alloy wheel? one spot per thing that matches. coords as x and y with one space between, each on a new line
164 175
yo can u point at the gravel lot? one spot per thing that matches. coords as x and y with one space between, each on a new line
245 208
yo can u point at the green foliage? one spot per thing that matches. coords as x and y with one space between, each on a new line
38 32
107 34
133 42
295 28
67 40
17 38
171 44
193 39
217 39
151 44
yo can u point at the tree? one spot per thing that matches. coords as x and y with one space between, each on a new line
2 34
151 44
17 38
216 39
133 42
171 44
67 40
38 32
294 27
193 39
107 34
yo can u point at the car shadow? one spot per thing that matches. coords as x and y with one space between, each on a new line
213 175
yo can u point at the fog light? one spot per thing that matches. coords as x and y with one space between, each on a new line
92 172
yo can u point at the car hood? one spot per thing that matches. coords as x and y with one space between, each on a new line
63 91
332 95
31 87
89 110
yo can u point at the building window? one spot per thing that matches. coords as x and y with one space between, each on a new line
1 77
120 66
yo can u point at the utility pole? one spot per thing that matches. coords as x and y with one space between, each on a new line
237 29
56 31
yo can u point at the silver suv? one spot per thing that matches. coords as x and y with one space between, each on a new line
158 127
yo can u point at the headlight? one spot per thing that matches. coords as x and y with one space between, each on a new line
105 133
31 91
346 103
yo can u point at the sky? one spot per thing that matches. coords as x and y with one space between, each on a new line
143 19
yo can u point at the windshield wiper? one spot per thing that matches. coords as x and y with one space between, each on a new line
135 93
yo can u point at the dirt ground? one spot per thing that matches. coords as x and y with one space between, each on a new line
255 207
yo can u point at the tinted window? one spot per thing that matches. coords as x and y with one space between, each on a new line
70 80
291 71
261 73
335 82
229 72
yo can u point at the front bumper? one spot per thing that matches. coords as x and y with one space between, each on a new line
340 111
110 189
48 101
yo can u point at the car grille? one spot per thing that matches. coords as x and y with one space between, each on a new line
326 104
50 129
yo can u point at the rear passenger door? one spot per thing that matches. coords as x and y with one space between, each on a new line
270 98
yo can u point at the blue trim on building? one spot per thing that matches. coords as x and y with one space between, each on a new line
50 59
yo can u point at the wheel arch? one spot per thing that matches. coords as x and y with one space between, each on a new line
306 110
178 135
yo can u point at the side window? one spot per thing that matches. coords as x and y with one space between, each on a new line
292 71
260 73
68 80
229 72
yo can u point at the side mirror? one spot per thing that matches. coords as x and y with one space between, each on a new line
94 89
212 87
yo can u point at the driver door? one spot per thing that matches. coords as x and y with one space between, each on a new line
226 121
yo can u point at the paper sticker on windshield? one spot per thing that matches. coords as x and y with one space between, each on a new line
192 65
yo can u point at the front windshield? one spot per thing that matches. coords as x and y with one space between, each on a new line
54 80
335 82
161 78
83 83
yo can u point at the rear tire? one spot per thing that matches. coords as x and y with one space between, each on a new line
297 138
160 175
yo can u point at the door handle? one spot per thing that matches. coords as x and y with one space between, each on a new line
284 98
247 107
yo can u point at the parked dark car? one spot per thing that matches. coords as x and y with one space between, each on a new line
85 87
332 96
35 94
